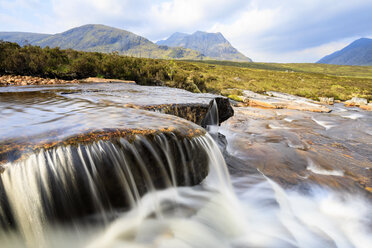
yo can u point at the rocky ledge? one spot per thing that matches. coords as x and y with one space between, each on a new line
173 101
97 148
276 100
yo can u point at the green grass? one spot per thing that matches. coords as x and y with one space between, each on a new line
307 80
335 70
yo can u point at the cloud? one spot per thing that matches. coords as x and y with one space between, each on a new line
287 29
266 30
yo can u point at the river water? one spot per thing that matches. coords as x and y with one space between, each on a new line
277 178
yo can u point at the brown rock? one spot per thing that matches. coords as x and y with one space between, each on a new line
356 101
367 107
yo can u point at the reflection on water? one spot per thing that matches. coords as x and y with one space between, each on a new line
291 179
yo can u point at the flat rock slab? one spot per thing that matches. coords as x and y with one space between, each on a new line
297 149
36 117
276 100
184 104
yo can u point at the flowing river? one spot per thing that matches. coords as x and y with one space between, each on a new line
106 165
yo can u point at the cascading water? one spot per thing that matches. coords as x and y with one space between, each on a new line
135 192
65 183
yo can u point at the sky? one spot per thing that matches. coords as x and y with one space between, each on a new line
264 30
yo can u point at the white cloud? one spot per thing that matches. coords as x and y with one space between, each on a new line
308 55
266 30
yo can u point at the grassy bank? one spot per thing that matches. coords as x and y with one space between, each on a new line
307 80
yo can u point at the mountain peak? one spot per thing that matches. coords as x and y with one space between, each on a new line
212 45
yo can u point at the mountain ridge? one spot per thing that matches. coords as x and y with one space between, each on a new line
102 38
359 52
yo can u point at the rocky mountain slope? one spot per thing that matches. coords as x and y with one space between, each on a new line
212 45
358 52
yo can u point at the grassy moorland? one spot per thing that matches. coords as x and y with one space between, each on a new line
307 80
335 70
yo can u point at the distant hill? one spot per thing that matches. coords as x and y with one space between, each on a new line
22 38
101 38
358 52
212 45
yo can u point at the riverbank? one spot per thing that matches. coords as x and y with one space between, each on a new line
10 80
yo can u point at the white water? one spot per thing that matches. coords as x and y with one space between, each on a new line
353 116
326 124
237 211
317 169
257 213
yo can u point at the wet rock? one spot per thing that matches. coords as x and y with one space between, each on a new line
178 102
114 154
327 100
287 147
367 107
101 176
91 138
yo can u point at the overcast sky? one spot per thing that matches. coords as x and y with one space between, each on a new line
264 30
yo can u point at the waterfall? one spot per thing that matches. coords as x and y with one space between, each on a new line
241 210
66 183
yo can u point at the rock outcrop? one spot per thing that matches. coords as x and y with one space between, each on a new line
276 100
359 102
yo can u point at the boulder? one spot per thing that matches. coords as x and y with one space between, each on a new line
356 101
327 100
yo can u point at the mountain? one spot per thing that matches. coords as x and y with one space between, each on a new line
212 45
358 52
22 38
101 38
174 40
